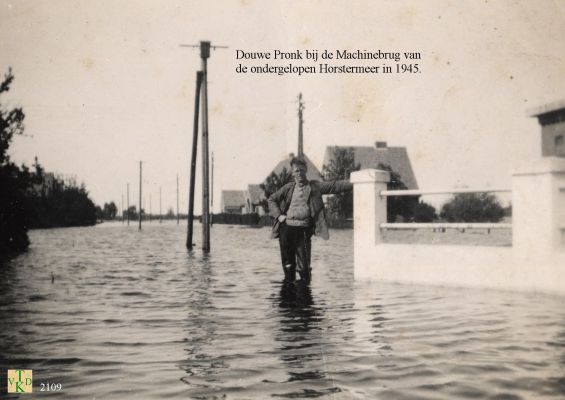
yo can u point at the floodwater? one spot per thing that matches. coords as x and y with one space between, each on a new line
110 312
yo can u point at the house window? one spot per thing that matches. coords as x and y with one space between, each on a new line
559 145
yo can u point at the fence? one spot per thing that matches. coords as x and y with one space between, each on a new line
242 219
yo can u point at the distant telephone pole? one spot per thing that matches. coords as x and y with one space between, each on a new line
140 195
127 211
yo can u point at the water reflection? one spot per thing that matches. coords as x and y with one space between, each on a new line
299 333
201 324
10 344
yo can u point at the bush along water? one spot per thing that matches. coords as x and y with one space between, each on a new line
32 199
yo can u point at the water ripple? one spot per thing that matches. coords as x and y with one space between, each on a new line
132 314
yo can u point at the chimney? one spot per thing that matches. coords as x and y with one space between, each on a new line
380 145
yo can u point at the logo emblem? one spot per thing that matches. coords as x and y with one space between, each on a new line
20 381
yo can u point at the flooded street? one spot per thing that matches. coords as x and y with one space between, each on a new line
111 313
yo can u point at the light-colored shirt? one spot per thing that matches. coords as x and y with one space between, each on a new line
298 213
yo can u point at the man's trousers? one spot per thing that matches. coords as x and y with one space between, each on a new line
296 245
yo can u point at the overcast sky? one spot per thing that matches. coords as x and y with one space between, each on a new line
105 84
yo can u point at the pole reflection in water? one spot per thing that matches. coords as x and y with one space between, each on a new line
201 325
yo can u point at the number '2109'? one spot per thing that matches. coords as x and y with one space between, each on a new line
51 387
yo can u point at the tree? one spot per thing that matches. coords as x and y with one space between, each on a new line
64 205
13 180
273 183
472 207
340 167
340 206
99 213
109 211
424 212
11 121
132 212
399 207
27 199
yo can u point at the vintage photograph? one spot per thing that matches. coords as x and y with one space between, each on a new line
242 199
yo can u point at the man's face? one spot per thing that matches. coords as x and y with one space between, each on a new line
299 173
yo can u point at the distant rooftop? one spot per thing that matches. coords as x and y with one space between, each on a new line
371 156
256 194
233 198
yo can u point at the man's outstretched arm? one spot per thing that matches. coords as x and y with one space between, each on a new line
334 187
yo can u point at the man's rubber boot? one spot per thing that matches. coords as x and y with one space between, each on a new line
289 273
306 275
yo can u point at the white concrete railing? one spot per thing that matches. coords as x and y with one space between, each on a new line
444 225
535 261
412 192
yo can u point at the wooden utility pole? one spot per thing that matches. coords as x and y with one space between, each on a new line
193 162
212 193
128 202
204 55
140 195
178 199
300 123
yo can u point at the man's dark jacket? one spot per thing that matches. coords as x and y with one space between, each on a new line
279 202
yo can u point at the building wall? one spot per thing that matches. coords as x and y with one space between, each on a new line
549 135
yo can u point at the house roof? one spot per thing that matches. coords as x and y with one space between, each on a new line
370 157
256 194
547 108
233 198
312 173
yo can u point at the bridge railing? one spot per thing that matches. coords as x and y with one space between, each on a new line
538 208
535 261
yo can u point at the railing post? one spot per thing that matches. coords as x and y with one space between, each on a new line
369 209
538 209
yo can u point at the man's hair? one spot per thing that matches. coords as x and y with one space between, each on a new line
298 161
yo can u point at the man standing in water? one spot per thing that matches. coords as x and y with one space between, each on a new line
299 212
